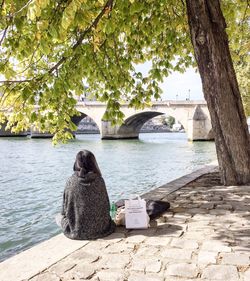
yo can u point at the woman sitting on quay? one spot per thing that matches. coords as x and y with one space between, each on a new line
86 207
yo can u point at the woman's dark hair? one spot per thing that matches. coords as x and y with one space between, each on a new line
85 163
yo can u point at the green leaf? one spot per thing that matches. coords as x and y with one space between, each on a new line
44 47
33 117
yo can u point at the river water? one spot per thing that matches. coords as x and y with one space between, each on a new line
33 175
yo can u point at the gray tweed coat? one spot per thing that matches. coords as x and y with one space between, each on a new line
86 208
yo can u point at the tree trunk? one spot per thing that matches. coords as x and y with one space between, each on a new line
207 27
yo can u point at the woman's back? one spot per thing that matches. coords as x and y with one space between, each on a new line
86 207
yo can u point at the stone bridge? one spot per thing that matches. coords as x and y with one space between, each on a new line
192 115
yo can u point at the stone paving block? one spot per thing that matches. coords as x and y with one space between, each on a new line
184 243
201 218
205 257
208 206
177 220
135 238
178 210
46 276
246 275
108 275
240 227
170 230
144 232
183 270
183 215
190 204
140 263
231 217
175 278
114 261
224 207
194 211
216 246
235 259
62 266
171 197
95 247
213 198
242 207
68 277
228 236
220 272
122 247
218 212
146 250
241 248
176 254
80 272
199 235
216 224
198 225
84 257
157 241
116 236
135 276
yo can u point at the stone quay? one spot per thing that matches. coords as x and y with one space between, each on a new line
205 235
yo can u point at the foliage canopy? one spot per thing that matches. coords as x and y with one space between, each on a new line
52 50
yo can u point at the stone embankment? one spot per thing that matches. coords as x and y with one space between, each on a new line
204 236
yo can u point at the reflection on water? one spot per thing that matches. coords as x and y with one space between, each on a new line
33 174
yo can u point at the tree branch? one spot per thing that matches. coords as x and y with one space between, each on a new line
244 16
14 81
2 5
4 34
107 7
25 6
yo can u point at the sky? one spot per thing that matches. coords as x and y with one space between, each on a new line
178 86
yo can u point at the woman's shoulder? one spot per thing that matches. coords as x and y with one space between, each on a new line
89 179
71 181
100 180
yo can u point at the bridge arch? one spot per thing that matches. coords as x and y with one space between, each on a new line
76 119
89 125
131 126
95 112
134 123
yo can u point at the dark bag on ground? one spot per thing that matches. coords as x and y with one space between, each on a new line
154 207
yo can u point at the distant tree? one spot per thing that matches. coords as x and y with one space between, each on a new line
49 48
170 121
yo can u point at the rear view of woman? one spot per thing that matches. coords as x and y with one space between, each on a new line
85 212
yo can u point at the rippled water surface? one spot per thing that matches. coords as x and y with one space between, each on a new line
33 175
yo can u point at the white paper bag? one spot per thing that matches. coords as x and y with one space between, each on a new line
135 214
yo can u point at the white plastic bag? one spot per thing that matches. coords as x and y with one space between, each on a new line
136 216
120 216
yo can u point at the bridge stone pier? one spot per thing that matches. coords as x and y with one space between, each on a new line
199 127
8 133
193 115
